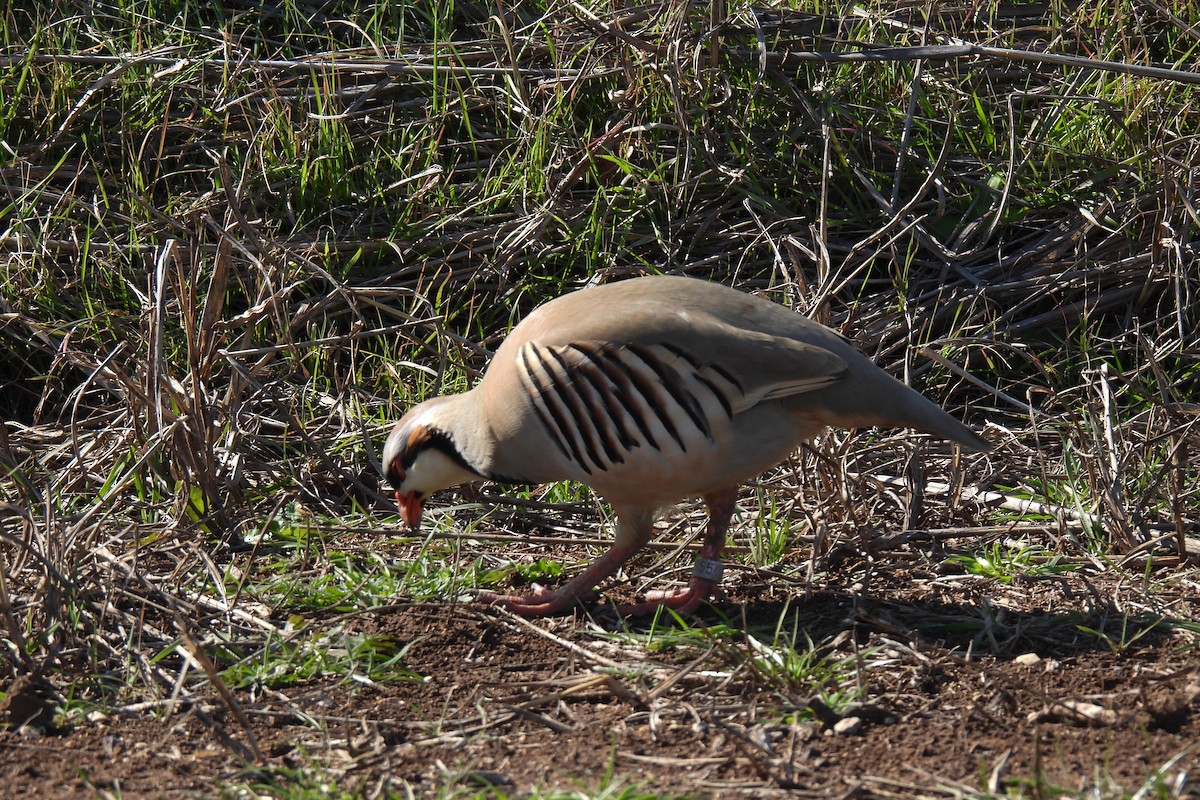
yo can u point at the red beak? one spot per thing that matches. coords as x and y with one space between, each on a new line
410 508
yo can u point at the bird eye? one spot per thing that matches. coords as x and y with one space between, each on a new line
395 473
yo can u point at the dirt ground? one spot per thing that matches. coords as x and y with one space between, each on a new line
963 685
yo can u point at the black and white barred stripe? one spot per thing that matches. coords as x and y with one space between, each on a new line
598 402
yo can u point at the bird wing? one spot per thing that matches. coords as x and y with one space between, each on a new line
766 366
598 398
752 366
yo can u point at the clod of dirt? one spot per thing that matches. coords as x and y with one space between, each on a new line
29 702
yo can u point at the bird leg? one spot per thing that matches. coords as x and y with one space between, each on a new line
706 575
635 526
633 531
579 589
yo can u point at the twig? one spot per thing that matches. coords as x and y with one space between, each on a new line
932 355
996 499
579 650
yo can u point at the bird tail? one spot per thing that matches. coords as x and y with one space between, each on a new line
917 411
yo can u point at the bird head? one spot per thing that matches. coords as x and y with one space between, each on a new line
421 456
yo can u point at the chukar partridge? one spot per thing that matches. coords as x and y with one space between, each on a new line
648 390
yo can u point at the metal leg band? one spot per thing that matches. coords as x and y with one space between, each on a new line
708 569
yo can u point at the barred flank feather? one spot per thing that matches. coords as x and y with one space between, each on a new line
598 402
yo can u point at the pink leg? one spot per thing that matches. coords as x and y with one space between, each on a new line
578 589
706 578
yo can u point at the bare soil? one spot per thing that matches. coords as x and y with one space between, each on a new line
966 684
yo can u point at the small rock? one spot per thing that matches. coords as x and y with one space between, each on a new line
1090 712
848 726
31 732
1075 712
1028 659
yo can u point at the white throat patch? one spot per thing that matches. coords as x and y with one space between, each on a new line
433 470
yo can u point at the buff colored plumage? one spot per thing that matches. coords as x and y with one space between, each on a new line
649 390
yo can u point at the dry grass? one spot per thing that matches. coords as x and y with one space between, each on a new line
233 252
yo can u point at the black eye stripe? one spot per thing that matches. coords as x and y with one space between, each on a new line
436 439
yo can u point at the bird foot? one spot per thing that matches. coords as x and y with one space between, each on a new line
704 584
541 603
681 602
